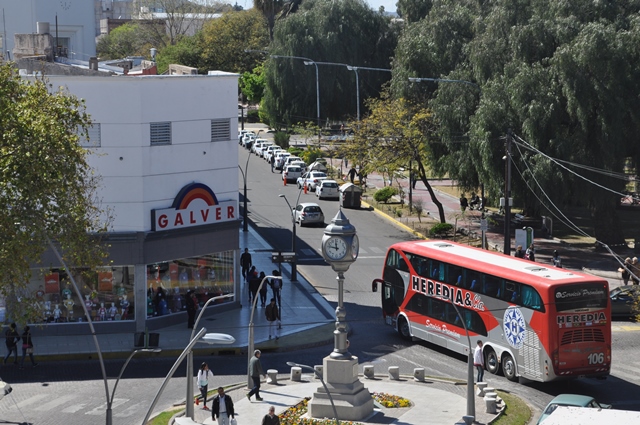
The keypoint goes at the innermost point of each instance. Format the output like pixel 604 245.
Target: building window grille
pixel 220 130
pixel 160 133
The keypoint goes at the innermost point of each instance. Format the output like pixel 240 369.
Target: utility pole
pixel 507 196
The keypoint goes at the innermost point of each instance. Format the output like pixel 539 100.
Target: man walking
pixel 11 340
pixel 478 361
pixel 276 287
pixel 245 262
pixel 272 161
pixel 273 315
pixel 255 370
pixel 222 407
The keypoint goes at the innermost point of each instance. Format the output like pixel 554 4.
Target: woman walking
pixel 203 383
pixel 27 347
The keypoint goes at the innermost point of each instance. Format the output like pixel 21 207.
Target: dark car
pixel 623 300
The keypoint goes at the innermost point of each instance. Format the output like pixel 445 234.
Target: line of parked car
pixel 293 169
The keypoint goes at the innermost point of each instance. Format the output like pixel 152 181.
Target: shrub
pixel 399 212
pixel 253 115
pixel 311 155
pixel 281 139
pixel 384 194
pixel 296 151
pixel 441 229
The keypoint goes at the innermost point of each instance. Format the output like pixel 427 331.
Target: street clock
pixel 340 244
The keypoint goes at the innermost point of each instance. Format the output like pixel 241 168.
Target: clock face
pixel 336 248
pixel 355 246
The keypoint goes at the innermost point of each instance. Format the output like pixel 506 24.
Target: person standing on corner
pixel 531 253
pixel 245 262
pixel 273 315
pixel 478 361
pixel 271 418
pixel 192 306
pixel 519 252
pixel 556 259
pixel 255 370
pixel 203 383
pixel 27 347
pixel 272 161
pixel 222 407
pixel 11 341
pixel 625 271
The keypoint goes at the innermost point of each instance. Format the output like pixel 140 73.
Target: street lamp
pixel 113 393
pixel 189 410
pixel 294 265
pixel 355 69
pixel 244 202
pixel 250 344
pixel 319 376
pixel 310 62
pixel 471 406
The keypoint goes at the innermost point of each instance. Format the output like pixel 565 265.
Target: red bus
pixel 537 322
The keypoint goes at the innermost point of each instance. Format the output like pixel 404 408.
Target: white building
pixel 164 147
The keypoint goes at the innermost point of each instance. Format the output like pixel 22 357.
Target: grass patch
pixel 163 417
pixel 516 412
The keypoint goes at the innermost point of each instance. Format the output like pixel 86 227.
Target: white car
pixel 311 179
pixel 258 144
pixel 241 134
pixel 290 159
pixel 309 213
pixel 327 189
pixel 300 164
pixel 269 151
pixel 280 158
pixel 260 150
pixel 290 173
pixel 248 139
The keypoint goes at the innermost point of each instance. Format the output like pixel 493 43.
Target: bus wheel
pixel 403 328
pixel 509 368
pixel 492 363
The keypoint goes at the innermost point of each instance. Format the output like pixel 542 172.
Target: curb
pixel 393 221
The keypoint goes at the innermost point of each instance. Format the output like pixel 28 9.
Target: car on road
pixel 574 400
pixel 311 180
pixel 290 159
pixel 308 213
pixel 248 139
pixel 262 148
pixel 290 173
pixel 258 144
pixel 300 164
pixel 327 189
pixel 319 165
pixel 270 150
pixel 281 157
pixel 624 300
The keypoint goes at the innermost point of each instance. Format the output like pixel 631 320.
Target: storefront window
pixel 168 283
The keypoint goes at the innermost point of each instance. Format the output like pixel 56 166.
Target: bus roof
pixel 486 261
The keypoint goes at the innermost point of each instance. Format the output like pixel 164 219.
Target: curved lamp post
pixel 294 265
pixel 253 310
pixel 244 206
pixel 189 407
pixel 319 376
pixel 471 405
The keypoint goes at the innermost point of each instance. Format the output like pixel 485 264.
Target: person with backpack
pixel 276 287
pixel 273 315
pixel 11 340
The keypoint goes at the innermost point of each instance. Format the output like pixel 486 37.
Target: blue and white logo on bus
pixel 514 327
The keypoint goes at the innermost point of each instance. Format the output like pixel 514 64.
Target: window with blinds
pixel 160 133
pixel 220 130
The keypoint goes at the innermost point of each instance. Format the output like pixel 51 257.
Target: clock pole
pixel 340 349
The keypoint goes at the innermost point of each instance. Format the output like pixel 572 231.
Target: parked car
pixel 571 400
pixel 311 180
pixel 308 213
pixel 290 173
pixel 258 143
pixel 290 159
pixel 241 134
pixel 319 165
pixel 280 158
pixel 300 164
pixel 270 150
pixel 327 189
pixel 263 148
pixel 623 300
pixel 248 139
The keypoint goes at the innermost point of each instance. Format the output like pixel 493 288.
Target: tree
pixel 252 84
pixel 269 9
pixel 47 188
pixel 187 52
pixel 122 42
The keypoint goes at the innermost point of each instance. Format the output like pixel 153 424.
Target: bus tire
pixel 491 362
pixel 509 368
pixel 403 328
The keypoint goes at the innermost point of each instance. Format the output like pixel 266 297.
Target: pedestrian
pixel 222 407
pixel 464 203
pixel 263 290
pixel 272 161
pixel 352 173
pixel 276 287
pixel 254 285
pixel 530 254
pixel 478 361
pixel 519 252
pixel 273 315
pixel 255 370
pixel 245 262
pixel 192 307
pixel 271 418
pixel 203 383
pixel 556 259
pixel 413 180
pixel 11 340
pixel 625 270
pixel 635 271
pixel 27 347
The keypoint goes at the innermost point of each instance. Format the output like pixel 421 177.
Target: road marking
pixel 627 368
pixel 31 401
pixel 362 251
pixel 55 402
pixel 626 328
pixel 130 410
pixel 376 257
pixel 376 250
pixel 74 408
pixel 101 409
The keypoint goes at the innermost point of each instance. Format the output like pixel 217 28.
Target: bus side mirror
pixel 374 286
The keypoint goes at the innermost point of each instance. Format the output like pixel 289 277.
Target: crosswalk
pixel 372 252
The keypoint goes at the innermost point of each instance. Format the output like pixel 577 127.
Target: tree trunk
pixel 434 199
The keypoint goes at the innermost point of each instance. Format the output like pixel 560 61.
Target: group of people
pixel 222 408
pixel 253 281
pixel 529 254
pixel 630 270
pixel 12 338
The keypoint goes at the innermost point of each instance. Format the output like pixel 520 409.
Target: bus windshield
pixel 581 296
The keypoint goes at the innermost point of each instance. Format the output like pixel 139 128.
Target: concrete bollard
pixel 418 374
pixel 481 386
pixel 468 420
pixel 490 403
pixel 319 371
pixel 489 390
pixel 394 373
pixel 296 374
pixel 272 376
pixel 368 371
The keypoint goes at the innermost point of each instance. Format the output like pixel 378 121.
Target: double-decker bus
pixel 537 322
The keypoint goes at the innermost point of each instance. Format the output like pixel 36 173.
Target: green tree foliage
pixel 252 84
pixel 225 40
pixel 345 32
pixel 269 9
pixel 384 194
pixel 187 52
pixel 413 10
pixel 47 187
pixel 563 76
pixel 122 42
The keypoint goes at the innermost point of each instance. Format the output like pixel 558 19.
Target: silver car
pixel 309 213
pixel 327 189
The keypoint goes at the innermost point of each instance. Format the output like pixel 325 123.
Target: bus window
pixel 419 304
pixel 395 260
pixel 511 292
pixel 531 298
pixel 454 275
pixel 473 279
pixel 438 309
pixel 437 270
pixel 492 286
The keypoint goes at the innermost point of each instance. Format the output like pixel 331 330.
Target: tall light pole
pixel 294 266
pixel 319 376
pixel 355 69
pixel 310 62
pixel 189 409
pixel 244 202
pixel 471 405
pixel 507 196
pixel 250 343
